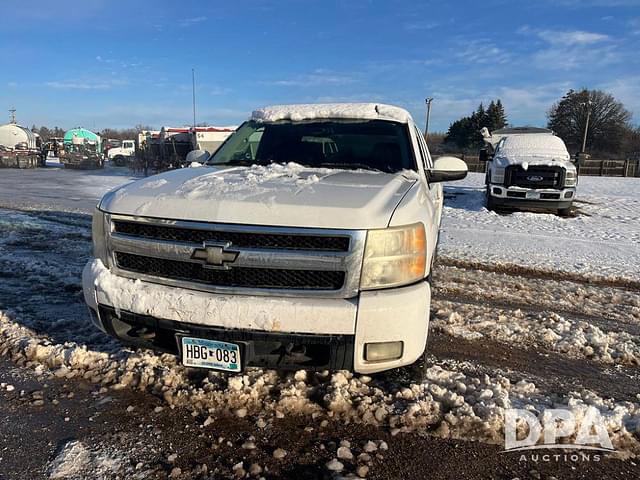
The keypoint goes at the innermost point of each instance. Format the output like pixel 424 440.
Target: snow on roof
pixel 533 145
pixel 358 111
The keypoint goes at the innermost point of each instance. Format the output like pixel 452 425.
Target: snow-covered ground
pixel 55 188
pixel 602 241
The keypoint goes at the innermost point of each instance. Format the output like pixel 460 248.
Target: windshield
pixel 373 145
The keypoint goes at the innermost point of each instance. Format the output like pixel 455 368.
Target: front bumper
pixel 273 332
pixel 502 196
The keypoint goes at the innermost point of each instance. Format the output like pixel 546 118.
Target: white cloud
pixel 571 37
pixel 85 84
pixel 187 22
pixel 417 26
pixel 319 77
pixel 483 51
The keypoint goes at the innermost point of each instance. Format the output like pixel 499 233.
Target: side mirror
pixel 483 156
pixel 447 169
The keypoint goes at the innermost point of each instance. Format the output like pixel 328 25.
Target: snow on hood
pixel 284 195
pixel 532 149
pixel 323 111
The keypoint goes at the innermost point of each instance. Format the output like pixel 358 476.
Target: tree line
pixel 115 133
pixel 610 133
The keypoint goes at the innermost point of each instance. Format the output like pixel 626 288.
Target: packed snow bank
pixel 448 403
pixel 322 111
pixel 548 330
pixel 603 241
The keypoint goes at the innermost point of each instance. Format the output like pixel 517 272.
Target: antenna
pixel 12 111
pixel 193 85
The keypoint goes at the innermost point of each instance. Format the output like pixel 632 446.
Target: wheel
pixel 489 202
pixel 119 160
pixel 564 212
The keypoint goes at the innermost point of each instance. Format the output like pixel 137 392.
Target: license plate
pixel 533 195
pixel 204 353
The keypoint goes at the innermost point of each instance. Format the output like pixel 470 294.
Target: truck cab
pixel 528 168
pixel 120 155
pixel 305 242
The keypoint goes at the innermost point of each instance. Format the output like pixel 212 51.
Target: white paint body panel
pixel 313 198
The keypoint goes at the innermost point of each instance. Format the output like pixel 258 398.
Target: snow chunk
pixel 76 459
pixel 321 111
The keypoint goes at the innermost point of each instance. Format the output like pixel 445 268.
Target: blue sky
pixel 100 63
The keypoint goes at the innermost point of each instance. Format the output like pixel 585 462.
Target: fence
pixel 602 168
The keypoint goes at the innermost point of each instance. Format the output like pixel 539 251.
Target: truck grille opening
pixel 239 277
pixel 327 243
pixel 542 176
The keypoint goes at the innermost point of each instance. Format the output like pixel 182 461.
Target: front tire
pixel 489 202
pixel 564 212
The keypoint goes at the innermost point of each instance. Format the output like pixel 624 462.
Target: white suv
pixel 305 242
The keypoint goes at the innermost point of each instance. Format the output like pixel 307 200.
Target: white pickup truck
pixel 306 241
pixel 528 167
pixel 122 154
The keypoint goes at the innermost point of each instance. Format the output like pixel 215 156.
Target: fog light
pixel 376 352
pixel 497 191
pixel 568 194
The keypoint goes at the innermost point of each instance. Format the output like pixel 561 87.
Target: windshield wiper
pixel 350 166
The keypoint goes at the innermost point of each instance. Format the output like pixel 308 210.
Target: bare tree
pixel 608 120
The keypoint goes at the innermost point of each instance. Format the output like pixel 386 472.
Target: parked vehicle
pixel 123 154
pixel 81 149
pixel 528 167
pixel 209 138
pixel 18 147
pixel 307 241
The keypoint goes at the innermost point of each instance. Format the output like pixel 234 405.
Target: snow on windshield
pixel 533 145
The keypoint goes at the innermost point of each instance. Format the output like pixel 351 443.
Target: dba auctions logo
pixel 523 431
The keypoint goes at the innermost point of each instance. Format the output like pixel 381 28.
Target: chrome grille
pixel 535 176
pixel 234 277
pixel 331 243
pixel 270 260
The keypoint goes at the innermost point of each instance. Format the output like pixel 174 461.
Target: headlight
pixel 497 175
pixel 394 256
pixel 570 179
pixel 99 236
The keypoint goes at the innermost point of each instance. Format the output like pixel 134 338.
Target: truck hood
pixel 533 160
pixel 278 195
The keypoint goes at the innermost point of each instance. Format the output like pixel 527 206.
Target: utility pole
pixel 193 85
pixel 586 125
pixel 12 112
pixel 428 101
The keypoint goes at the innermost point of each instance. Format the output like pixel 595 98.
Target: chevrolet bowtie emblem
pixel 215 255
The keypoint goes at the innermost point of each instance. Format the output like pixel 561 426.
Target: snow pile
pixel 449 403
pixel 324 111
pixel 247 181
pixel 153 183
pixel 75 460
pixel 548 330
